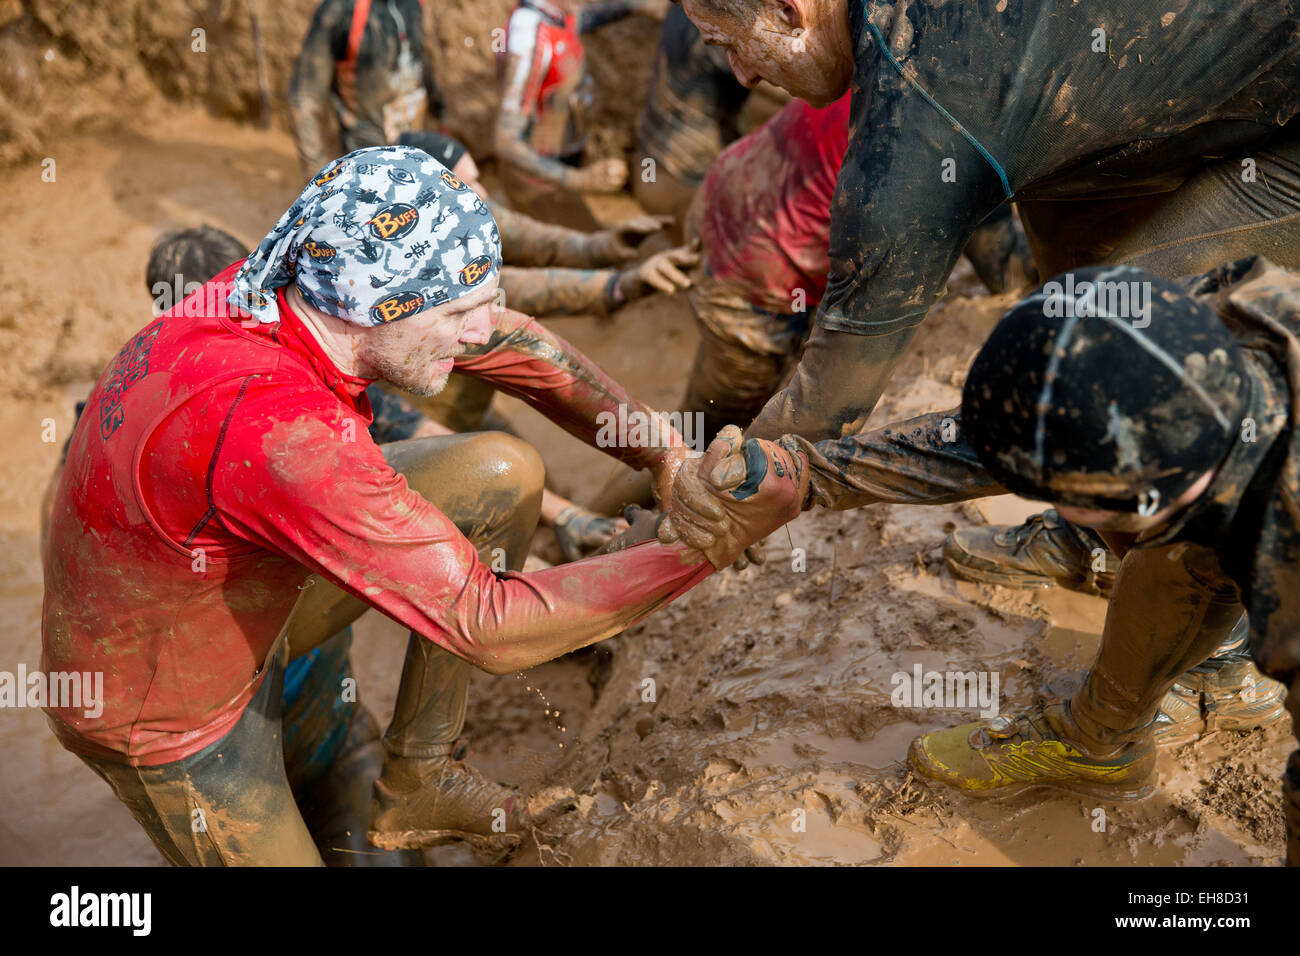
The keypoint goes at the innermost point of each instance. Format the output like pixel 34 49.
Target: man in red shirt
pixel 223 458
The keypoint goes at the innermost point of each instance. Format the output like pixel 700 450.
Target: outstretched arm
pixel 595 291
pixel 338 508
pixel 524 359
pixel 526 241
pixel 921 461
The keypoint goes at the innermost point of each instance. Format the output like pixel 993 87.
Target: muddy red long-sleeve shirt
pixel 215 466
pixel 775 240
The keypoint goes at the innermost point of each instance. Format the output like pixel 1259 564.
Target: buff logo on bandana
pixel 476 271
pixel 377 236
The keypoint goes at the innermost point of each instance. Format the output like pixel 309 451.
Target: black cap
pixel 196 255
pixel 1108 388
pixel 444 149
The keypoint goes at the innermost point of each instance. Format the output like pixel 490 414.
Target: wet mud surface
pixel 693 738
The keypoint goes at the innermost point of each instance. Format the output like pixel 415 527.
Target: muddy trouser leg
pixel 1216 217
pixel 738 370
pixel 729 383
pixel 1171 608
pixel 230 804
pixel 490 485
pixel 332 754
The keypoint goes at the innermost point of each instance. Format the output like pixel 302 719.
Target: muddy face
pixel 417 353
pixel 803 46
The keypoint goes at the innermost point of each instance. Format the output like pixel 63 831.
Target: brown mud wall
pixel 66 64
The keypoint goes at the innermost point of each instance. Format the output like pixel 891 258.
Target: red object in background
pixel 765 214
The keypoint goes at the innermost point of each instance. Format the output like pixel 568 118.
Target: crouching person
pixel 1174 438
pixel 1172 433
pixel 223 506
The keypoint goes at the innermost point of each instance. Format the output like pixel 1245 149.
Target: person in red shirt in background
pixel 694 108
pixel 223 459
pixel 545 97
pixel 763 220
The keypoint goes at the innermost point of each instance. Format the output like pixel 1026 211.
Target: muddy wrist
pixel 801 452
pixel 601 248
pixel 624 286
pixel 573 179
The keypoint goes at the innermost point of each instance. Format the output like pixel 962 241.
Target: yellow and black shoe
pixel 1009 754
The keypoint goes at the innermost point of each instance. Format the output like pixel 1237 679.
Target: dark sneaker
pixel 1009 754
pixel 426 801
pixel 1045 550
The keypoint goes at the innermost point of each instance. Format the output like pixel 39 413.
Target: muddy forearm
pixel 512 621
pixel 544 292
pixel 836 385
pixel 526 360
pixel 924 460
pixel 526 241
pixel 512 147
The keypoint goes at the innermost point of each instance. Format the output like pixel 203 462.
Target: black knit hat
pixel 444 149
pixel 1109 388
pixel 196 255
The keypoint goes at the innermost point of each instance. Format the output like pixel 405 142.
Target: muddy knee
pixel 502 465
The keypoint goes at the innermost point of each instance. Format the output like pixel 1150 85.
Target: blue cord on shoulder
pixel 884 48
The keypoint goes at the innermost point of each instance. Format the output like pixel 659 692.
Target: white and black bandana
pixel 378 235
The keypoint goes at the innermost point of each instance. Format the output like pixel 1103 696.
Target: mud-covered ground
pixel 693 738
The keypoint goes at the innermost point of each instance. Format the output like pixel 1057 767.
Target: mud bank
pixel 67 66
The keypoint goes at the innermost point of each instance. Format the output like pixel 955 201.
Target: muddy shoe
pixel 1224 693
pixel 421 802
pixel 1230 696
pixel 1012 753
pixel 1045 550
